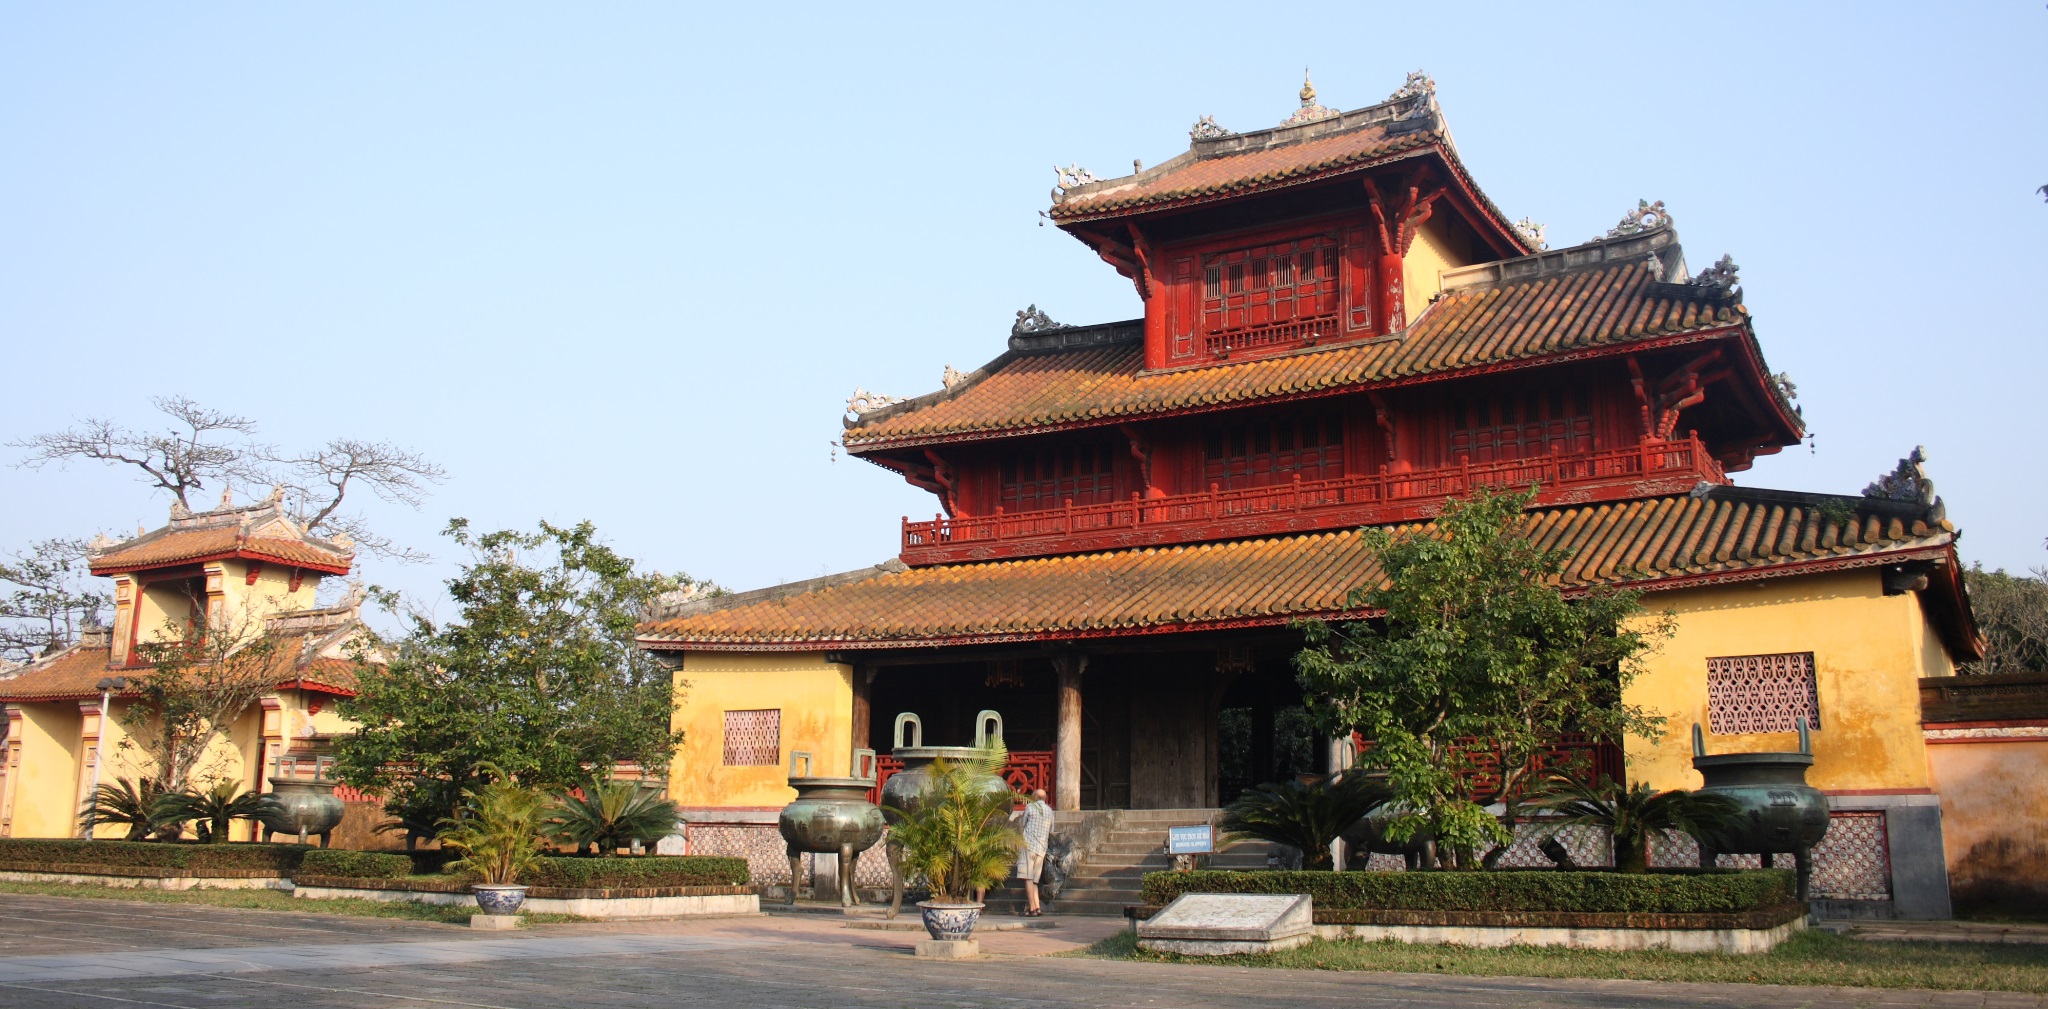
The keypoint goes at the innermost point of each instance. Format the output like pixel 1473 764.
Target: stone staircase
pixel 1108 875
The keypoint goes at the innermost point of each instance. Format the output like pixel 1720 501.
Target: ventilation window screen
pixel 1761 693
pixel 753 738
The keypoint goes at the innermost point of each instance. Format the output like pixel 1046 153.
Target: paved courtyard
pixel 58 951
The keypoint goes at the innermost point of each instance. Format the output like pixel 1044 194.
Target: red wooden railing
pixel 1651 468
pixel 1575 756
pixel 1027 770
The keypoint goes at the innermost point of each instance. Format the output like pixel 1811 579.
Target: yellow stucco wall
pixel 1869 651
pixel 45 794
pixel 1435 250
pixel 1994 821
pixel 816 701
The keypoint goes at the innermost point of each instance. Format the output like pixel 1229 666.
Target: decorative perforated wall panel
pixel 1761 693
pixel 753 738
pixel 1853 862
pixel 762 846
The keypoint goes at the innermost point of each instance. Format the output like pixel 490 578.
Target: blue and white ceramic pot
pixel 499 898
pixel 946 920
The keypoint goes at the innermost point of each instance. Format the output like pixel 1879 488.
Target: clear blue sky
pixel 626 262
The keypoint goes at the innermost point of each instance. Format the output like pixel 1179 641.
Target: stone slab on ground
pixel 1223 924
pixel 494 922
pixel 948 949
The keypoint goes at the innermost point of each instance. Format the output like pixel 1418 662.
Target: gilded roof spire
pixel 1309 112
pixel 1308 88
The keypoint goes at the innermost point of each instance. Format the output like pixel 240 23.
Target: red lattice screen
pixel 1761 693
pixel 753 738
pixel 1027 770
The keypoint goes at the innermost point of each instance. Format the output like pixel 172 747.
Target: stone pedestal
pixel 494 922
pixel 948 949
pixel 1222 924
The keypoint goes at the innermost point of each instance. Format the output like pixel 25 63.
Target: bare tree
pixel 48 601
pixel 2012 611
pixel 206 446
pixel 181 459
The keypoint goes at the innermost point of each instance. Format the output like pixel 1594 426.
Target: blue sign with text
pixel 1199 839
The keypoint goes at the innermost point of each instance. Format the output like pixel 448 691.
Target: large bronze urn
pixel 1780 812
pixel 831 816
pixel 905 789
pixel 310 805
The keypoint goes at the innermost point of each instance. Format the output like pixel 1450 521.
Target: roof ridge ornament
pixel 1655 266
pixel 863 402
pixel 1309 112
pixel 952 378
pixel 1720 276
pixel 1909 483
pixel 1646 216
pixel 1420 90
pixel 1071 177
pixel 1205 128
pixel 1033 319
pixel 1531 233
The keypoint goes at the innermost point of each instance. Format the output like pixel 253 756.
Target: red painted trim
pixel 2001 723
pixel 1823 565
pixel 227 555
pixel 728 809
pixel 1592 353
pixel 1847 792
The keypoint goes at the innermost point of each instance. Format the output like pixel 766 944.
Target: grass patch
pixel 271 900
pixel 1812 957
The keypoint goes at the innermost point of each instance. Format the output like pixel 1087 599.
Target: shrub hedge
pixel 635 871
pixel 150 854
pixel 1673 892
pixel 356 864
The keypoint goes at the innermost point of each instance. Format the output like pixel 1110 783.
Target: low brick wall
pixel 145 877
pixel 615 902
pixel 1746 932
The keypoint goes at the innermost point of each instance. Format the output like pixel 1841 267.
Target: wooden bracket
pixel 1141 450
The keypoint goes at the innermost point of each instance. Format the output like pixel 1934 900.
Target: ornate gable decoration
pixel 1205 128
pixel 863 402
pixel 1309 112
pixel 1907 482
pixel 1420 91
pixel 1532 233
pixel 1720 276
pixel 1646 216
pixel 1034 320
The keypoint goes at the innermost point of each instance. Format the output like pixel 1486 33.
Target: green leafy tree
pixel 1477 658
pixel 202 677
pixel 538 674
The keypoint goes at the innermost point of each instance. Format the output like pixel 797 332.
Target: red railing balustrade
pixel 1027 771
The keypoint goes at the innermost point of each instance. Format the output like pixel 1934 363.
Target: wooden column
pixel 863 696
pixel 1067 751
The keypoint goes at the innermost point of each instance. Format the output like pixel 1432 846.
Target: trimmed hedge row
pixel 1670 892
pixel 640 870
pixel 150 854
pixel 356 864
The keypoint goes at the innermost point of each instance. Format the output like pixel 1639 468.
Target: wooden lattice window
pixel 1049 477
pixel 1267 452
pixel 753 738
pixel 1762 693
pixel 1519 425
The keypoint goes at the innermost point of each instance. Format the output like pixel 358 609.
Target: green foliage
pixel 142 854
pixel 498 831
pixel 2012 611
pixel 1708 890
pixel 214 809
pixel 959 837
pixel 645 870
pixel 1632 815
pixel 136 804
pixel 611 815
pixel 1478 657
pixel 538 675
pixel 355 864
pixel 1304 815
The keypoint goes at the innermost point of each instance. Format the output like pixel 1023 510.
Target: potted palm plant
pixel 959 837
pixel 498 833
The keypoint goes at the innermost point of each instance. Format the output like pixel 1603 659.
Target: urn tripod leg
pixel 1802 860
pixel 847 859
pixel 796 872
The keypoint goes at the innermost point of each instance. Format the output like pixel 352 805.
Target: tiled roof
pixel 74 673
pixel 1261 168
pixel 1559 314
pixel 183 546
pixel 260 531
pixel 1728 534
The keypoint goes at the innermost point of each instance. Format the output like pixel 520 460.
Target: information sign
pixel 1198 839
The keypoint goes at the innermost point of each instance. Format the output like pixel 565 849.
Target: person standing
pixel 1036 826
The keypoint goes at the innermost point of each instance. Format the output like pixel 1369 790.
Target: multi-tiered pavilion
pixel 1339 330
